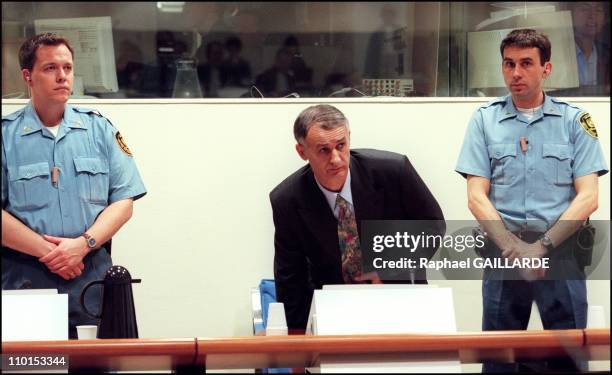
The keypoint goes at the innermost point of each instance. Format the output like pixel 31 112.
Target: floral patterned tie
pixel 349 242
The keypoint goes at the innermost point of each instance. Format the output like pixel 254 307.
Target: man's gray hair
pixel 324 115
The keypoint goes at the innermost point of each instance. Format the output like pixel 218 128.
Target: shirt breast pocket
pixel 502 157
pixel 30 186
pixel 92 179
pixel 557 163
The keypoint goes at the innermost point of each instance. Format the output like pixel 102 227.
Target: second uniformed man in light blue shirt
pixel 68 184
pixel 532 164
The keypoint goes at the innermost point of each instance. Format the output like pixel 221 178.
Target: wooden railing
pixel 303 351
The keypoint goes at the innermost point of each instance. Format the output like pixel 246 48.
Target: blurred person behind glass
pixel 279 79
pixel 301 72
pixel 209 73
pixel 236 71
pixel 381 57
pixel 130 68
pixel 592 49
pixel 593 56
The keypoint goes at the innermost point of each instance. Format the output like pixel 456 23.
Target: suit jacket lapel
pixel 368 201
pixel 318 217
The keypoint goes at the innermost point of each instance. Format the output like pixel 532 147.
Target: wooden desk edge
pixel 393 342
pixel 597 336
pixel 194 352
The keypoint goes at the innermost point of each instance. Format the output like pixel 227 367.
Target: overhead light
pixel 170 6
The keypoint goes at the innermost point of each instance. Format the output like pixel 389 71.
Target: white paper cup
pixel 87 332
pixel 596 317
pixel 277 322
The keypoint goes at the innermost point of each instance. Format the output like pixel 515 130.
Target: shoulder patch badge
pixel 588 125
pixel 122 145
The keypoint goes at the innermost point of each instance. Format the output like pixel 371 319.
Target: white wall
pixel 203 235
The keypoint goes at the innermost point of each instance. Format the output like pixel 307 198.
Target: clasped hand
pixel 517 249
pixel 66 259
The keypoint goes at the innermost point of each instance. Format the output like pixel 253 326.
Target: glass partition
pixel 304 49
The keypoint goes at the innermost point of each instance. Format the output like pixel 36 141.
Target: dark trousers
pixel 562 304
pixel 21 271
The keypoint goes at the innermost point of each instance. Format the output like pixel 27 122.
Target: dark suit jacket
pixel 384 186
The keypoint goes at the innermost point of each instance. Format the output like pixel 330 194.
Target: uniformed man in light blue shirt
pixel 68 183
pixel 532 164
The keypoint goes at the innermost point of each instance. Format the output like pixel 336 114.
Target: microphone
pixel 346 90
pixel 256 89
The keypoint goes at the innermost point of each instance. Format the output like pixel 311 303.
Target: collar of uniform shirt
pixel 548 108
pixel 34 123
pixel 529 112
pixel 345 193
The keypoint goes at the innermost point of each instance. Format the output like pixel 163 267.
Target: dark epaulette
pixel 12 116
pixel 569 104
pixel 88 111
pixel 91 111
pixel 501 99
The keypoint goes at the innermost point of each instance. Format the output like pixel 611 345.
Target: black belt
pixel 528 236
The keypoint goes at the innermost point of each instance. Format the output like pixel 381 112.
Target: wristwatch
pixel 91 242
pixel 546 242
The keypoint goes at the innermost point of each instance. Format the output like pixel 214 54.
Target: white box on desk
pixel 34 314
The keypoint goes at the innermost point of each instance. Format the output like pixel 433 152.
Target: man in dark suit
pixel 314 246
